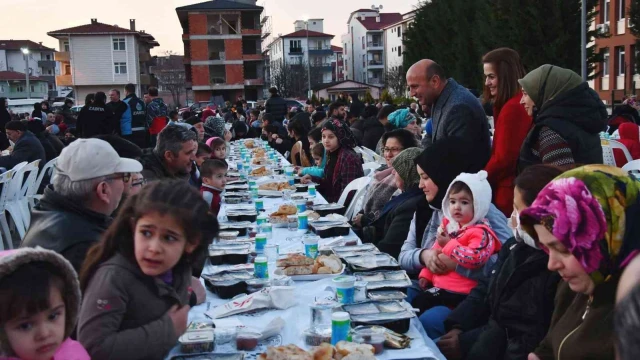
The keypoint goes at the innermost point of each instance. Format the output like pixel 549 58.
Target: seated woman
pixel 343 164
pixel 391 226
pixel 383 185
pixel 478 326
pixel 299 131
pixel 587 221
pixel 438 165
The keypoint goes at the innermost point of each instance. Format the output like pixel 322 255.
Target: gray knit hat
pixel 11 260
pixel 405 167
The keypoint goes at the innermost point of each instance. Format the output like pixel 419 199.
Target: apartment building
pixel 363 45
pixel 394 35
pixel 618 75
pixel 222 49
pixel 13 85
pixel 41 65
pixel 337 64
pixel 305 47
pixel 98 57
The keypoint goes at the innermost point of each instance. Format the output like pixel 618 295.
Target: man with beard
pixel 173 155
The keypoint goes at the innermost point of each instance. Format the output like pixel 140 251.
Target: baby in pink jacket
pixel 39 303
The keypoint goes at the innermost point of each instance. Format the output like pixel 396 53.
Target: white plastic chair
pixel 5 233
pixel 11 201
pixel 358 185
pixel 633 168
pixel 372 154
pixel 607 151
pixel 369 168
pixel 31 173
pixel 32 195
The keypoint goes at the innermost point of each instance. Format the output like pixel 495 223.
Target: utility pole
pixel 583 44
pixel 25 51
pixel 308 61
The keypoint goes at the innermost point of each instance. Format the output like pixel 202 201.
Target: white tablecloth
pixel 297 318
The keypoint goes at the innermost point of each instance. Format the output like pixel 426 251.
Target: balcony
pixel 251 32
pixel 144 56
pixel 374 81
pixel 322 66
pixel 320 50
pixel 250 57
pixel 47 64
pixel 296 51
pixel 253 82
pixel 375 45
pixel 150 80
pixel 376 64
pixel 24 95
pixel 64 80
pixel 63 56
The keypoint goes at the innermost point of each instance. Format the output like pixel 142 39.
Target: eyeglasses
pixel 391 149
pixel 140 182
pixel 126 177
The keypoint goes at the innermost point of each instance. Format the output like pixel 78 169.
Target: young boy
pixel 464 237
pixel 218 149
pixel 214 179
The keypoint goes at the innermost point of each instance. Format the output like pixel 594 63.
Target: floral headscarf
pixel 593 211
pixel 342 131
pixel 401 118
pixel 216 125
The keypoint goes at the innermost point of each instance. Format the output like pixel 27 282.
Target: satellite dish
pixel 373 7
pixel 381 7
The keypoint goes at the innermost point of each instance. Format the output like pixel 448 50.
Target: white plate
pixel 270 193
pixel 311 277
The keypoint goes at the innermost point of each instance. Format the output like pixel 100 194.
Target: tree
pixel 385 97
pixel 171 76
pixel 290 79
pixel 634 27
pixel 367 97
pixel 395 80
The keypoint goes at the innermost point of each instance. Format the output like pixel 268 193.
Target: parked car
pixel 291 103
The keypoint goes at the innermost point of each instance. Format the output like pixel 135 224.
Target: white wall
pixel 3 60
pixel 391 43
pixel 358 71
pixel 93 58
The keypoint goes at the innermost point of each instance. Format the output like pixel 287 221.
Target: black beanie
pixel 444 160
pixel 193 120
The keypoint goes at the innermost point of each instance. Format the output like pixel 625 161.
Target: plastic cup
pixel 311 190
pixel 252 183
pixel 239 165
pixel 311 247
pixel 345 288
pixel 254 192
pixel 292 222
pixel 261 268
pixel 259 204
pixel 261 219
pixel 303 222
pixel 267 229
pixel 340 327
pixel 261 242
pixel 288 171
pixel 301 205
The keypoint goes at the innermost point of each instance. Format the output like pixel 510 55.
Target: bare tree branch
pixel 171 76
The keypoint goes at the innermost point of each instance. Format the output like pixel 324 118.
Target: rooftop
pixel 336 48
pixel 370 22
pixel 303 33
pixel 98 28
pixel 16 76
pixel 19 44
pixel 219 5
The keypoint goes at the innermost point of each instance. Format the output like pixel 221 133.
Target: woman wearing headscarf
pixel 568 117
pixel 343 164
pixel 38 113
pixel 587 221
pixel 391 227
pixel 502 69
pixel 214 125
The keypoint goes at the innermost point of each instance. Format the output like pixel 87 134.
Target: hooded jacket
pixel 277 107
pixel 357 106
pixel 124 311
pixel 96 120
pixel 629 137
pixel 566 107
pixel 65 227
pixel 372 132
pixel 10 261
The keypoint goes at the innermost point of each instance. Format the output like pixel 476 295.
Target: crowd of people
pixel 520 243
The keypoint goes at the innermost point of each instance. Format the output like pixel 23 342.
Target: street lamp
pixel 306 23
pixel 25 51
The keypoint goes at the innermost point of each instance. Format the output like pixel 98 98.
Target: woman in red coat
pixel 502 69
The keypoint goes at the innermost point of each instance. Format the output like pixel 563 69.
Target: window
pixel 399 50
pixel 19 88
pixel 1 89
pixel 363 42
pixel 67 69
pixel 48 57
pixel 620 61
pixel 33 88
pixel 605 13
pixel 65 45
pixel 49 72
pixel 345 49
pixel 620 15
pixel 119 44
pixel 295 44
pixel 605 62
pixel 399 31
pixel 120 67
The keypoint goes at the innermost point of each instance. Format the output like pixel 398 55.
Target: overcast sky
pixel 32 19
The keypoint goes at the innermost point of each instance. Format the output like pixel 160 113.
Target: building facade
pixel 337 63
pixel 394 35
pixel 13 85
pixel 41 63
pixel 169 70
pixel 363 45
pixel 617 76
pixel 222 49
pixel 98 57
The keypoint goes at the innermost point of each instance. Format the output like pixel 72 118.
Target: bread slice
pixel 289 352
pixel 294 260
pixel 298 270
pixel 347 348
pixel 332 262
pixel 359 356
pixel 323 352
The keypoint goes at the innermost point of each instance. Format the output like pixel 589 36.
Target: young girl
pixel 39 300
pixel 315 138
pixel 218 148
pixel 137 281
pixel 343 164
pixel 301 150
pixel 463 238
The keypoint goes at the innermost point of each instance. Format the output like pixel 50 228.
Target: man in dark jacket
pixel 65 111
pixel 357 106
pixel 87 187
pixel 96 119
pixel 133 125
pixel 276 105
pixel 117 107
pixel 375 126
pixel 174 154
pixel 455 111
pixel 27 146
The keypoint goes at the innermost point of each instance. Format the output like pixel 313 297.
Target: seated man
pixel 26 146
pixel 74 212
pixel 173 156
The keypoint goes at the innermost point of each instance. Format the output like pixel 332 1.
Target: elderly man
pixel 87 187
pixel 26 146
pixel 118 108
pixel 455 111
pixel 173 156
